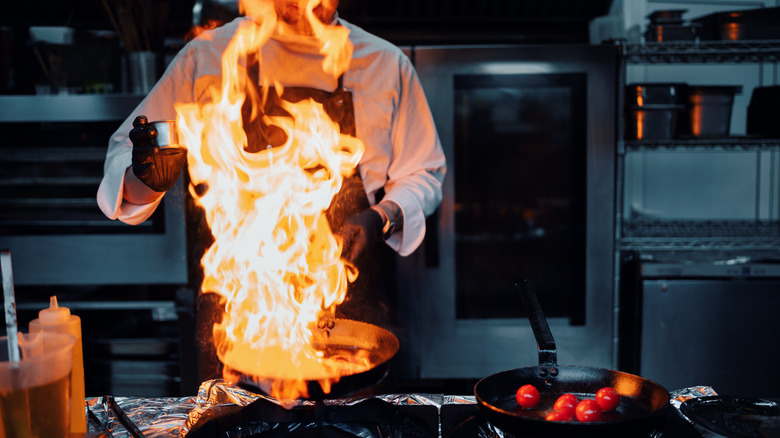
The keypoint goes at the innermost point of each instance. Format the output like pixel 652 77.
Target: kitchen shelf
pixel 67 107
pixel 649 244
pixel 700 235
pixel 703 52
pixel 707 144
pixel 653 235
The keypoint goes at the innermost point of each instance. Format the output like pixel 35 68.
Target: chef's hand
pixel 156 167
pixel 359 232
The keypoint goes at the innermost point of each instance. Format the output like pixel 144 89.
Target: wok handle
pixel 548 355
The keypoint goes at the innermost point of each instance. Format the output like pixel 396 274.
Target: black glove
pixel 156 167
pixel 359 232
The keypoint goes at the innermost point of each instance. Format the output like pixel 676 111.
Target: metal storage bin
pixel 708 112
pixel 652 110
pixel 762 112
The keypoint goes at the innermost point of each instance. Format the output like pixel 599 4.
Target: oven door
pixel 529 135
pixel 51 163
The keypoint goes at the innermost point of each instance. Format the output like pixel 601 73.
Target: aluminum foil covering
pixel 155 417
pixel 677 398
pixel 174 417
pixel 218 393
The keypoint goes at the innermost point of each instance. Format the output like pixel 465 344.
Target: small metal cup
pixel 167 133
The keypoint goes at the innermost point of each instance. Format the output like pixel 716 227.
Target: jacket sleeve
pixel 418 165
pixel 176 85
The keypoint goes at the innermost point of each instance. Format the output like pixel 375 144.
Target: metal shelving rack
pixel 723 144
pixel 67 107
pixel 702 52
pixel 663 235
pixel 697 268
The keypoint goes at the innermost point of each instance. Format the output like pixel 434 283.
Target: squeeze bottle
pixel 57 319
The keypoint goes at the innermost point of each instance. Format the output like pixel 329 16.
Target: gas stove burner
pixel 370 418
pixel 465 421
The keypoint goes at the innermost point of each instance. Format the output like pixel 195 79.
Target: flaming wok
pixel 364 349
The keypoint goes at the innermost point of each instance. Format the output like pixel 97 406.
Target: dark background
pixel 400 21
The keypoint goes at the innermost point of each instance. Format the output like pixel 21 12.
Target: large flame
pixel 275 258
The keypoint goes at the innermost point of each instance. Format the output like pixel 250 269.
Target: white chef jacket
pixel 403 153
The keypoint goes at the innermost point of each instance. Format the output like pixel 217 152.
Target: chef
pixel 378 99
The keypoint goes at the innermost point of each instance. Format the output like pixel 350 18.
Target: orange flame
pixel 275 258
pixel 197 30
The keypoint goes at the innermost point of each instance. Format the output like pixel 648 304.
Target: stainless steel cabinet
pixel 51 155
pixel 714 332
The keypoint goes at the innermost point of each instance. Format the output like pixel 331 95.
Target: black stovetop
pixel 376 418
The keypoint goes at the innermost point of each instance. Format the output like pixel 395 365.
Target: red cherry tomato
pixel 527 396
pixel 588 410
pixel 607 398
pixel 566 404
pixel 558 416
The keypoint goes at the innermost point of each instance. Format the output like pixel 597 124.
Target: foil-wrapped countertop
pixel 174 417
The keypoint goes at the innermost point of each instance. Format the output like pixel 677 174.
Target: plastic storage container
pixel 35 396
pixel 655 93
pixel 668 25
pixel 739 25
pixel 652 110
pixel 662 33
pixel 762 118
pixel 667 16
pixel 708 110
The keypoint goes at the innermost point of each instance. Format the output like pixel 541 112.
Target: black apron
pixel 371 297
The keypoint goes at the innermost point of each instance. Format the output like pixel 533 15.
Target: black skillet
pixel 734 416
pixel 341 337
pixel 641 400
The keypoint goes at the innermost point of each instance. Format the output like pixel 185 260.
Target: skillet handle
pixel 548 355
